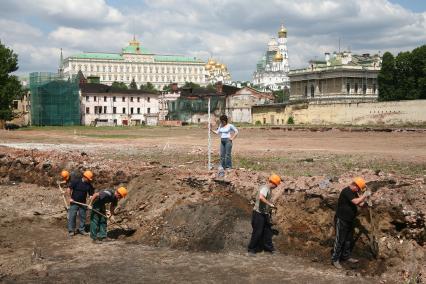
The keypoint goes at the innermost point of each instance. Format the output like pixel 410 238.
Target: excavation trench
pixel 192 211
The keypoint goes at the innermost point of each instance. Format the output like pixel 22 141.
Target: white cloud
pixel 235 32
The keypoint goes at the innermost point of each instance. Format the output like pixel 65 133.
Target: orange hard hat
pixel 360 182
pixel 88 175
pixel 65 175
pixel 122 191
pixel 275 179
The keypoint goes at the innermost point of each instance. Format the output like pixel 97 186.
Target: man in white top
pixel 261 237
pixel 227 133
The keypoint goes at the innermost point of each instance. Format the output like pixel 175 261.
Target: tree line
pixel 403 77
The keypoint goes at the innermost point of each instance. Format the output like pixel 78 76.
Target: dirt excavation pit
pixel 190 210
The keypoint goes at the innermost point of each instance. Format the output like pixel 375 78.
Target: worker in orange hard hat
pixel 350 197
pixel 65 175
pixel 261 237
pixel 79 189
pixel 98 223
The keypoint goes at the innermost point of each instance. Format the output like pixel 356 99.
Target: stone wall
pixel 377 113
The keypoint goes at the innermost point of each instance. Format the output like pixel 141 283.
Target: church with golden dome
pixel 272 69
pixel 217 72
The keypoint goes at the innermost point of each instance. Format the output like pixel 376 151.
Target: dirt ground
pixel 180 223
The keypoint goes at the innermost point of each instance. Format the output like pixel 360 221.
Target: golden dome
pixel 223 67
pixel 282 32
pixel 212 62
pixel 278 57
pixel 218 65
pixel 208 66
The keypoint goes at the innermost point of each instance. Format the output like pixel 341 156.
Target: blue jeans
pixel 225 153
pixel 72 216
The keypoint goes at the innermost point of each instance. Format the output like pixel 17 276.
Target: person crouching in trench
pixel 98 222
pixel 261 237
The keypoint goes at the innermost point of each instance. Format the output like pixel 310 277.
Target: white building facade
pixel 116 108
pixel 272 70
pixel 136 63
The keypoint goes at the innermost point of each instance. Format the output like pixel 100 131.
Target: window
pixel 114 110
pixel 123 99
pixel 148 99
pixel 105 99
pixel 364 89
pixel 264 119
pixel 15 104
pixel 114 99
pixel 312 91
pixel 105 109
pixel 356 88
pixel 148 111
pixel 348 88
pixel 131 99
pixel 124 110
pixel 139 110
pixel 94 98
pixel 131 110
pixel 374 88
pixel 198 120
pixel 87 110
pixel 138 99
pixel 99 109
pixel 306 91
pixel 87 98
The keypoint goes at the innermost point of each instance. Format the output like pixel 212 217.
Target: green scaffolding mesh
pixel 185 107
pixel 53 100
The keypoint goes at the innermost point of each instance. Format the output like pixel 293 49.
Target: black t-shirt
pixel 346 210
pixel 108 196
pixel 80 189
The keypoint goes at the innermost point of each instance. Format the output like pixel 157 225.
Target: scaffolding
pixel 54 101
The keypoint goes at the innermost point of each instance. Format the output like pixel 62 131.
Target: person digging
pixel 78 191
pixel 98 222
pixel 261 237
pixel 350 197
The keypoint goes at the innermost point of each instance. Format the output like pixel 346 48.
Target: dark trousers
pixel 343 243
pixel 225 153
pixel 98 223
pixel 72 216
pixel 261 237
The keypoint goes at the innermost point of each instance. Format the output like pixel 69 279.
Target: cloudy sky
pixel 235 32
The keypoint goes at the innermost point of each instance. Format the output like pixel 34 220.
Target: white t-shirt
pixel 225 131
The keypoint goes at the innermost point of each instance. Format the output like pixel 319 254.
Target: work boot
pixel 97 242
pixel 106 240
pixel 71 234
pixel 352 260
pixel 84 233
pixel 251 253
pixel 337 264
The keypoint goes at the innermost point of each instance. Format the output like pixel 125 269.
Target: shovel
pixel 63 196
pixel 374 246
pixel 96 211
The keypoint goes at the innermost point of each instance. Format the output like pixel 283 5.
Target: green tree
pixel 386 78
pixel 149 87
pixel 167 88
pixel 191 85
pixel 119 85
pixel 211 87
pixel 10 87
pixel 418 63
pixel 133 85
pixel 282 96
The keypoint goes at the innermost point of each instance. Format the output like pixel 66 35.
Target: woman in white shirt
pixel 227 133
